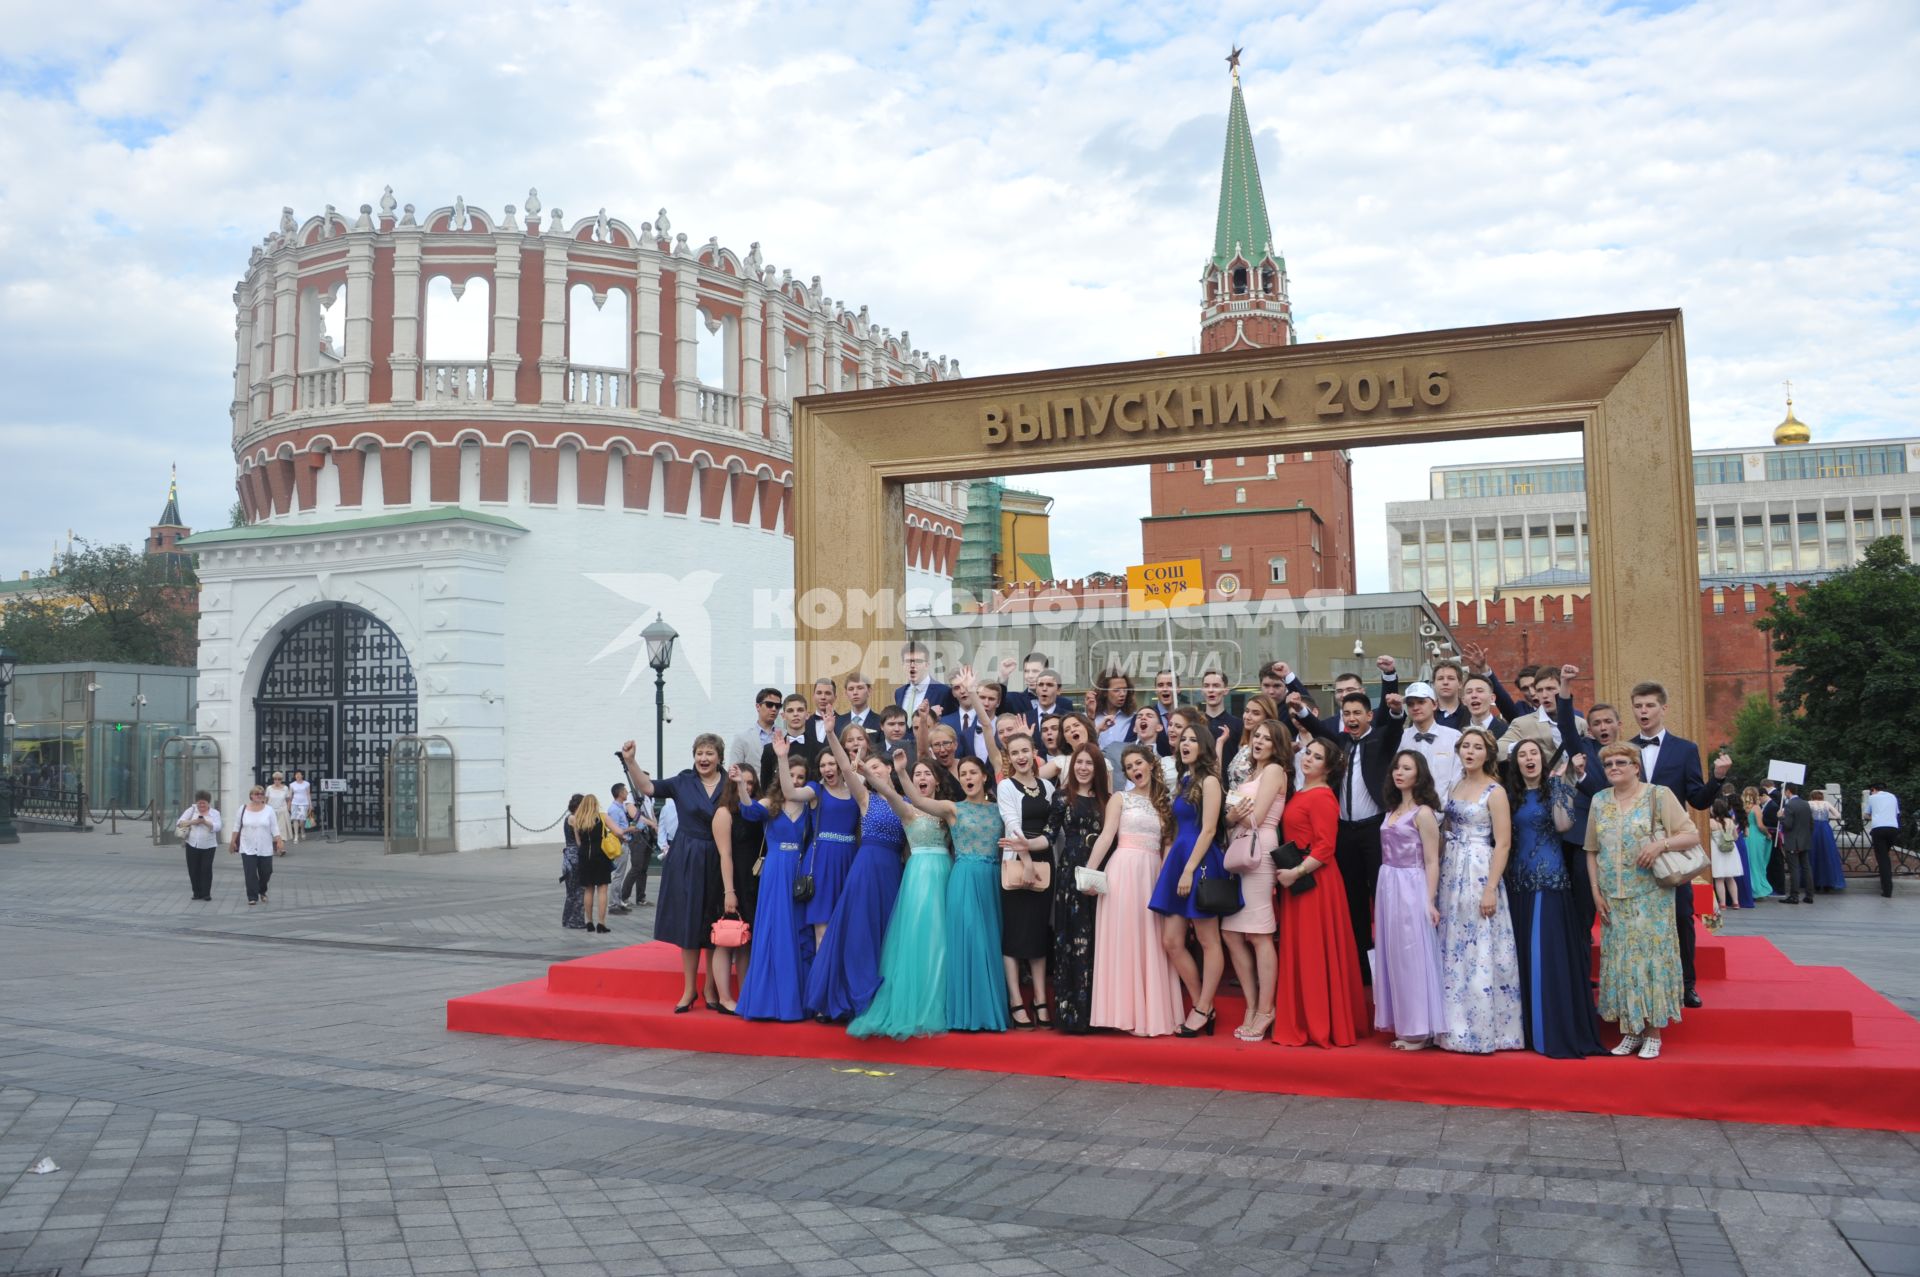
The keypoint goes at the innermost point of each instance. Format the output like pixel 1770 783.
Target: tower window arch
pixel 1239 281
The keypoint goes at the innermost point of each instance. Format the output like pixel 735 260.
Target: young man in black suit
pixel 1674 761
pixel 1369 742
pixel 800 743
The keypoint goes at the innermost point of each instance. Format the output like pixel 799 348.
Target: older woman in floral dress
pixel 1630 825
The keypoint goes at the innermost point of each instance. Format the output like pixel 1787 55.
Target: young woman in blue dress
pixel 846 969
pixel 782 941
pixel 836 821
pixel 1196 811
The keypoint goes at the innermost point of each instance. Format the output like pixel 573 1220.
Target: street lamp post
pixel 8 663
pixel 659 639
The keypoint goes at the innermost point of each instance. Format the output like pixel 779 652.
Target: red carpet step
pixel 1776 1043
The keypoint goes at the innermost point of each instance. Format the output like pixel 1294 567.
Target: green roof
pixel 1041 565
pixel 372 523
pixel 1241 229
pixel 30 583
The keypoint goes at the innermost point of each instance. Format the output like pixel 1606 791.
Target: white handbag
pixel 1674 868
pixel 1094 880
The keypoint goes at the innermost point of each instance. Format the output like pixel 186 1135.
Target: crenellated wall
pixel 328 429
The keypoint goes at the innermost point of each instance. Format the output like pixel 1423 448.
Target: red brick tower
pixel 1256 523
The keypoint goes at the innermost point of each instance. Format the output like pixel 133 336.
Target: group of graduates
pixel 982 856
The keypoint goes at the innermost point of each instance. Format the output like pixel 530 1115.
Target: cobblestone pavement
pixel 272 1091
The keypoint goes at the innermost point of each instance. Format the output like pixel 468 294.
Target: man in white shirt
pixel 1883 826
pixel 825 694
pixel 199 827
pixel 860 711
pixel 1427 736
pixel 620 815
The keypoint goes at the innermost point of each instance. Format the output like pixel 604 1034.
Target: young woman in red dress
pixel 1318 997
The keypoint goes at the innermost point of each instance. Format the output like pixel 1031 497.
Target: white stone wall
pixel 526 645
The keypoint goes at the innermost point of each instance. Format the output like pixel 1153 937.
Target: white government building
pixel 1794 512
pixel 477 454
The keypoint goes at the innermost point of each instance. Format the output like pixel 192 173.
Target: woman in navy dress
pixel 692 889
pixel 782 948
pixel 1556 1002
pixel 846 970
pixel 1195 854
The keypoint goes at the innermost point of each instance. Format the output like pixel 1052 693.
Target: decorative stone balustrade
pixel 456 382
pixel 321 390
pixel 718 408
pixel 599 387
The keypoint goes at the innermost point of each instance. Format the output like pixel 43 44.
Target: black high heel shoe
pixel 1184 1032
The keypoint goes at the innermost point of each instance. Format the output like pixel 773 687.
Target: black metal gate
pixel 337 692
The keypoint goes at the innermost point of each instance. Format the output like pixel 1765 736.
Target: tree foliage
pixel 1855 675
pixel 106 603
pixel 1760 734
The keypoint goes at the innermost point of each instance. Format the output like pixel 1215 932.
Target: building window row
pixel 1507 481
pixel 1808 541
pixel 1837 463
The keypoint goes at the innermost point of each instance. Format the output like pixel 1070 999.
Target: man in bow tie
pixel 800 744
pixel 1432 740
pixel 1674 762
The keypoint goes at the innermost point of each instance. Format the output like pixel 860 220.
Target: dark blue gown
pixel 1743 888
pixel 776 977
pixel 831 856
pixel 1556 1000
pixel 1166 897
pixel 846 971
pixel 692 893
pixel 1829 871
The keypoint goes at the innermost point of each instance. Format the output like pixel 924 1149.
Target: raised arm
pixel 880 781
pixel 855 781
pixel 804 795
pixel 636 774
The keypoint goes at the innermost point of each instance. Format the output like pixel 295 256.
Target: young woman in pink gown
pixel 1134 984
pixel 1253 815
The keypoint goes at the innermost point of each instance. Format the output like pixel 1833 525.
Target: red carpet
pixel 1776 1043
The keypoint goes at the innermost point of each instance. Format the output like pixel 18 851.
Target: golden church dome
pixel 1792 430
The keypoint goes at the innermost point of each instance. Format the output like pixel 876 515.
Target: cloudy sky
pixel 1019 185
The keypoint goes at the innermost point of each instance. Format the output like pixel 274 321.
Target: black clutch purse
pixel 1291 856
pixel 802 888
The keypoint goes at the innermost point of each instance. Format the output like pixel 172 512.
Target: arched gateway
pixel 335 694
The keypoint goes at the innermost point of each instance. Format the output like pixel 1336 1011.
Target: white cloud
pixel 1019 186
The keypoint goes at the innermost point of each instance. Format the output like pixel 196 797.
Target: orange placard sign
pixel 1152 586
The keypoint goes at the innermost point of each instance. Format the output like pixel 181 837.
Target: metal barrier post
pixel 509 826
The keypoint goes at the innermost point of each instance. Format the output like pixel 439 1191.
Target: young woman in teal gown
pixel 976 985
pixel 912 1001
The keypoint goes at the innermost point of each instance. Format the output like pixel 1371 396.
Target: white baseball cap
pixel 1419 691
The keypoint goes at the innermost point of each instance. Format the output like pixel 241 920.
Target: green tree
pixel 1761 733
pixel 1854 675
pixel 237 516
pixel 106 603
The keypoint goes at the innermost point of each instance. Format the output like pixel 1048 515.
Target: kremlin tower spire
pixel 1244 303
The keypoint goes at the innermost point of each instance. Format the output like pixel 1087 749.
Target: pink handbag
pixel 1242 855
pixel 730 932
